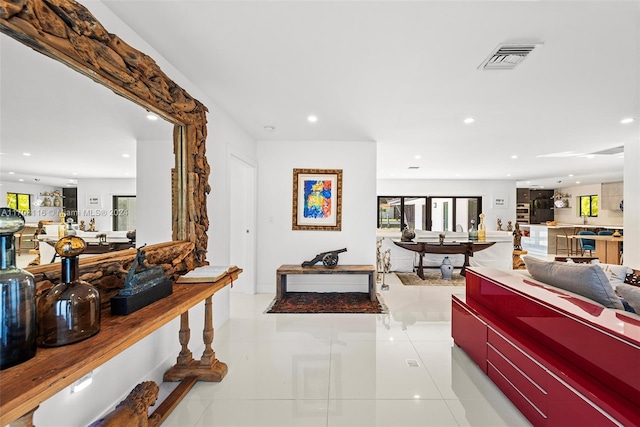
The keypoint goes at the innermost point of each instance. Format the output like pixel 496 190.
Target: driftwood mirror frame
pixel 67 32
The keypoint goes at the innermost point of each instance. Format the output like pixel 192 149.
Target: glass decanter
pixel 17 298
pixel 70 311
pixel 473 232
pixel 482 231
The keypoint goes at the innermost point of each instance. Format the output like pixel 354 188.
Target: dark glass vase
pixel 70 311
pixel 17 298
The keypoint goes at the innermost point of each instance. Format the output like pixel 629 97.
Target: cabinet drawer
pixel 469 332
pixel 569 407
pixel 524 384
pixel 530 411
pixel 511 351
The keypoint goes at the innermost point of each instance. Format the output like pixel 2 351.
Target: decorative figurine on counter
pixel 441 237
pixel 82 226
pixel 407 235
pixel 509 226
pixel 92 224
pixel 499 224
pixel 517 236
pixel 143 285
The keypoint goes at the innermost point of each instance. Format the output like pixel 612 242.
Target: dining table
pixel 608 248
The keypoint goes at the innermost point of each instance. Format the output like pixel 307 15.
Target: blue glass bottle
pixel 17 297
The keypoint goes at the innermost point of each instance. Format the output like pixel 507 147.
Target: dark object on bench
pixel 143 285
pixel 329 258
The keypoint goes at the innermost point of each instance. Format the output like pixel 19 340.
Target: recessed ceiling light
pixel 508 174
pixel 515 156
pixel 312 119
pixel 125 155
pixel 469 120
pixel 577 182
pixel 74 173
pixel 21 180
pixel 26 154
pixel 11 173
pixel 417 157
pixel 152 117
pixel 528 182
pixel 627 120
pixel 570 174
pixel 269 128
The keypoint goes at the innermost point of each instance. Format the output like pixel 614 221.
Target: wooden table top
pixel 30 383
pixel 321 269
pixel 459 247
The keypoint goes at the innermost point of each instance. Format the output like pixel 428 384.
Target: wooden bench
pixel 284 270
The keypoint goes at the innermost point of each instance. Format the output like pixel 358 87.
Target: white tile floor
pixel 395 369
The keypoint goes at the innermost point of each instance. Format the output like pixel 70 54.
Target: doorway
pixel 242 245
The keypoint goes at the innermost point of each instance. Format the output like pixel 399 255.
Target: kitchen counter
pixel 543 239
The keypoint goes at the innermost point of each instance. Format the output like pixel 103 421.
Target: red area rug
pixel 327 302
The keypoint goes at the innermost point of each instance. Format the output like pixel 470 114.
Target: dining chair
pixel 605 233
pixel 587 244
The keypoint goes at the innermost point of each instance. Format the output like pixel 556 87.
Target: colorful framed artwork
pixel 317 199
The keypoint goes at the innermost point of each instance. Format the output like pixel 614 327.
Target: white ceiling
pixel 402 74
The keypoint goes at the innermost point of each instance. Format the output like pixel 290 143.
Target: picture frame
pixel 317 199
pixel 94 200
pixel 500 201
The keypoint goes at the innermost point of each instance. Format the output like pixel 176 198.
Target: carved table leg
pixel 185 357
pixel 208 368
pixel 24 421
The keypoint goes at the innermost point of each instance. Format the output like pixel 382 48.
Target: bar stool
pixel 568 243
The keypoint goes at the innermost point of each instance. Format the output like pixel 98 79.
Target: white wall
pixel 278 244
pixel 632 205
pixel 149 359
pixel 487 189
pixel 104 189
pixel 153 191
pixel 571 215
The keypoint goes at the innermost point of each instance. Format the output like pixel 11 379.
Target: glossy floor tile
pixel 395 369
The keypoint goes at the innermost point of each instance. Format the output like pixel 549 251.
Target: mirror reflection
pixel 71 149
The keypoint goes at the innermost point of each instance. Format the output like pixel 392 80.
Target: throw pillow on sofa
pixel 615 273
pixel 587 280
pixel 631 295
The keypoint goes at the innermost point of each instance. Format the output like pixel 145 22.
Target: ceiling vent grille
pixel 414 167
pixel 610 151
pixel 507 56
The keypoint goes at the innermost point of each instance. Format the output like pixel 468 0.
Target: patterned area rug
pixel 327 302
pixel 431 279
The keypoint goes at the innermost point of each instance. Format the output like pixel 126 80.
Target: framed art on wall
pixel 317 199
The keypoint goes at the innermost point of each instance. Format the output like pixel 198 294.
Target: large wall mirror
pixel 66 32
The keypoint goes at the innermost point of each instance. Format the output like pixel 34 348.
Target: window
pixel 447 213
pixel 588 205
pixel 124 213
pixel 20 202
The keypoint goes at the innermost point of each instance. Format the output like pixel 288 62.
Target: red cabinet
pixel 529 345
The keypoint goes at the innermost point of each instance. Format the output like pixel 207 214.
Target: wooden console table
pixel 27 385
pixel 466 248
pixel 284 270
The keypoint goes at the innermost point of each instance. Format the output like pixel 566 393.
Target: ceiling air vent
pixel 414 167
pixel 507 56
pixel 609 151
